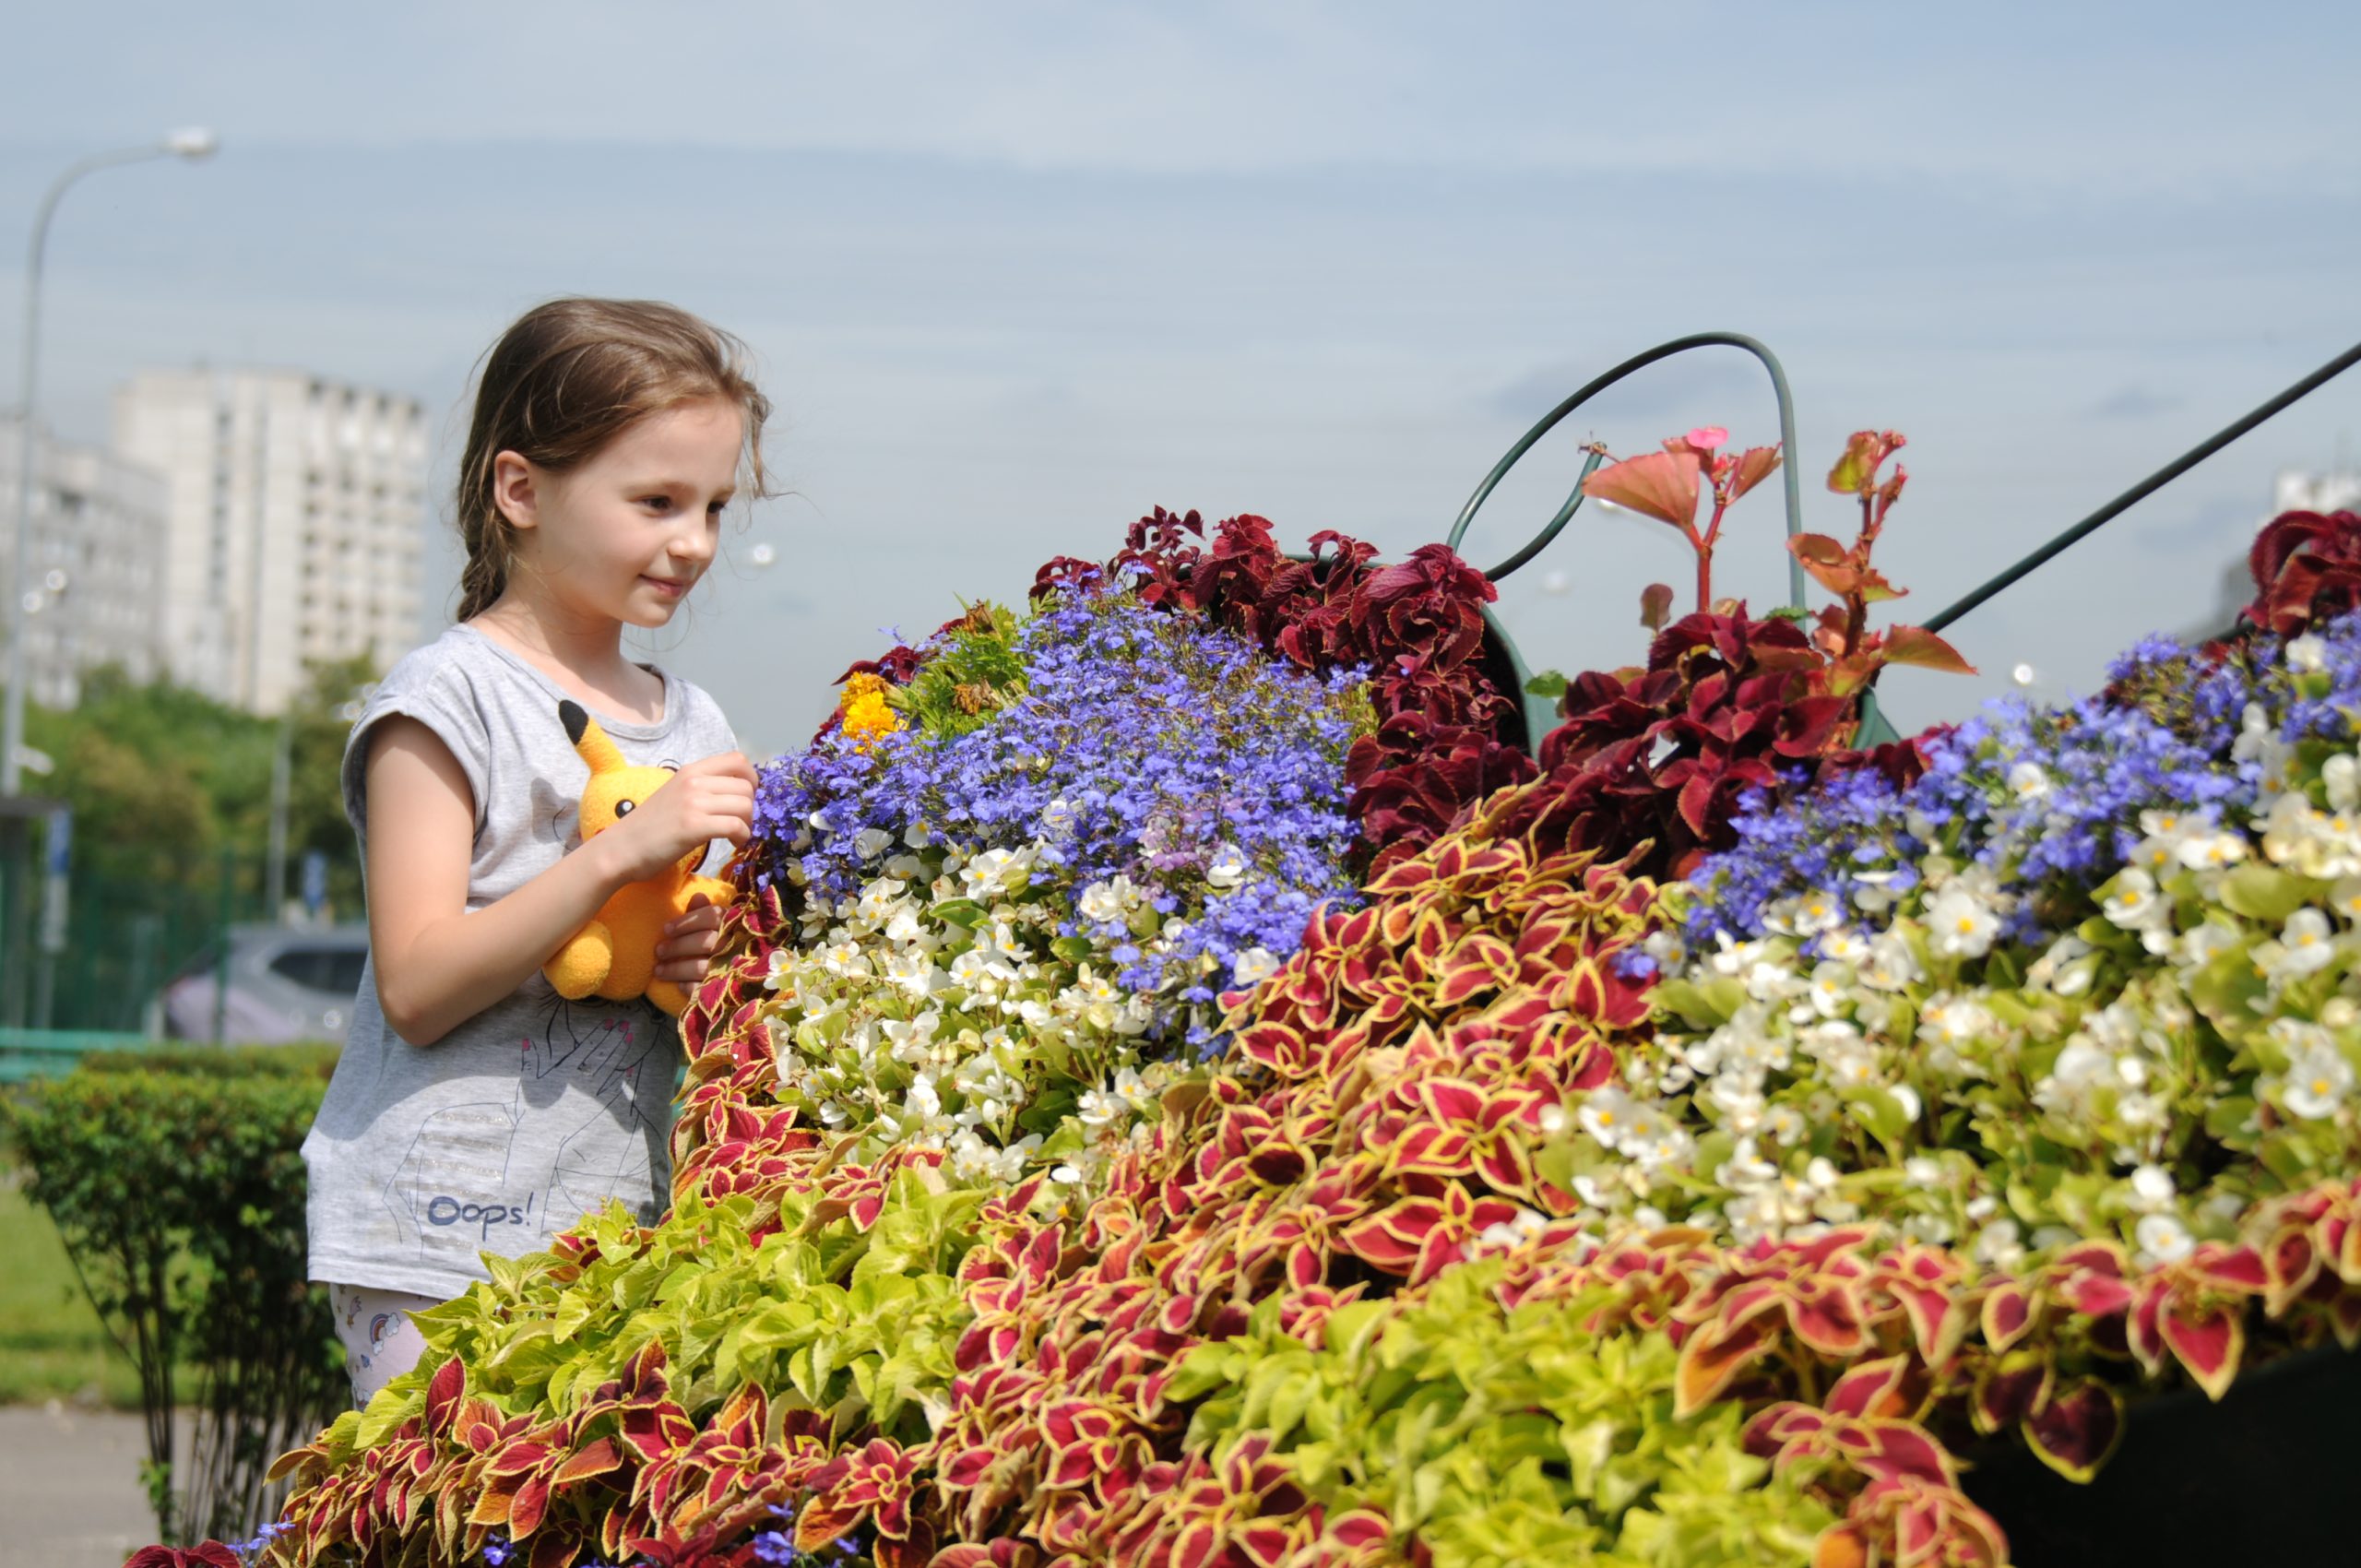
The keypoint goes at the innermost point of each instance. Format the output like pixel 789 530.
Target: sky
pixel 1014 275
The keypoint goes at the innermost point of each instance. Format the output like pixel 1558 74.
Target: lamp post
pixel 16 901
pixel 190 144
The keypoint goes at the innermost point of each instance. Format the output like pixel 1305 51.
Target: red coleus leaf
pixel 2010 1388
pixel 2208 1341
pixel 1655 605
pixel 442 1392
pixel 2077 1431
pixel 2009 1314
pixel 211 1554
pixel 1712 1359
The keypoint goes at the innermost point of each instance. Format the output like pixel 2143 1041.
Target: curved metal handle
pixel 1566 512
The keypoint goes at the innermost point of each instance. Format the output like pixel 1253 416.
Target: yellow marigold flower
pixel 867 716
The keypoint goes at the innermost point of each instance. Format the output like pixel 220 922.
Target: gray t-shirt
pixel 537 1110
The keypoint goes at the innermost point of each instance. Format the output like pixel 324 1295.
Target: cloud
pixel 2131 403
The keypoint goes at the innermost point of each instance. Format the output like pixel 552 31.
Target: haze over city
pixel 1013 281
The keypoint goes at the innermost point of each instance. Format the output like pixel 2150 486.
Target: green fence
pixel 38 1053
pixel 124 942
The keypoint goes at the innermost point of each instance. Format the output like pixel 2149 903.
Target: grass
pixel 52 1344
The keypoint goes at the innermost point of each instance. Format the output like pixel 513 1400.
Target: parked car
pixel 286 983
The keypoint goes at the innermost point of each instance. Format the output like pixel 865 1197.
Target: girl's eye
pixel 661 502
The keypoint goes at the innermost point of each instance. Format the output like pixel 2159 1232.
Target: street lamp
pixel 189 144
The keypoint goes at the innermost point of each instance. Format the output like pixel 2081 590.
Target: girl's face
pixel 627 533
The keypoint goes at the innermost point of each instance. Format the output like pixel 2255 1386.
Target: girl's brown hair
pixel 565 379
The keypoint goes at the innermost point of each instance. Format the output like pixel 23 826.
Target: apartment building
pixel 293 508
pixel 93 571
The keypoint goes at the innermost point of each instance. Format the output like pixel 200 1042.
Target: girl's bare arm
pixel 437 964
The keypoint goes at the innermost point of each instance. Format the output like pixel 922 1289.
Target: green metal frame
pixel 1541 714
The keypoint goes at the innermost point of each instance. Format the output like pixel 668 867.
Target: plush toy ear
pixel 570 713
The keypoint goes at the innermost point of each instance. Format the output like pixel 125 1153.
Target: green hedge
pixel 175 1179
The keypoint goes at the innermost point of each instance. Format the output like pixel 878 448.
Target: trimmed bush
pixel 174 1178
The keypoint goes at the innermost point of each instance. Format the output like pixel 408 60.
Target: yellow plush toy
pixel 614 955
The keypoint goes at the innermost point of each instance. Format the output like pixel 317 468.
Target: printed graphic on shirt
pixel 583 1069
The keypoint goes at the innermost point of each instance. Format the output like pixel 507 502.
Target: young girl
pixel 474 1110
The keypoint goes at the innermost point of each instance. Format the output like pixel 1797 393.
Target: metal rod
pixel 2148 486
pixel 1637 361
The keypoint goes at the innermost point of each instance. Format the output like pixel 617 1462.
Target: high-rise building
pixel 2331 490
pixel 93 569
pixel 2292 490
pixel 293 509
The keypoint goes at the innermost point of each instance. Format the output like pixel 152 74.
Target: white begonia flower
pixel 872 842
pixel 2306 945
pixel 1738 1098
pixel 1851 1069
pixel 1109 902
pixel 1843 947
pixel 914 973
pixel 1921 1172
pixel 1958 924
pixel 2313 842
pixel 2135 904
pixel 2203 944
pixel 881 900
pixel 1873 892
pixel 2340 1012
pixel 2341 776
pixel 1667 948
pixel 998 871
pixel 1997 1245
pixel 2065 969
pixel 1891 964
pixel 2316 1082
pixel 1227 869
pixel 2027 781
pixel 2081 1067
pixel 1607 1116
pixel 1745 1170
pixel 1733 958
pixel 1907 1098
pixel 1782 1124
pixel 2152 1188
pixel 1954 1021
pixel 2161 1239
pixel 2345 899
pixel 1253 966
pixel 2308 652
pixel 2212 852
pixel 1831 988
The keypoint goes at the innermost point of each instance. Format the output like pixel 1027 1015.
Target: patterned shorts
pixel 380 1341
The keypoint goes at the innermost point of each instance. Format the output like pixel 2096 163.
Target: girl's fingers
pixel 688 945
pixel 704 917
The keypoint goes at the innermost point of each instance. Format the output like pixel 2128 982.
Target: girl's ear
pixel 514 482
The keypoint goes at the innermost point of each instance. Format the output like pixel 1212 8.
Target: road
pixel 69 1487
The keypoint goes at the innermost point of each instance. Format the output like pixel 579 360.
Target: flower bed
pixel 1184 1091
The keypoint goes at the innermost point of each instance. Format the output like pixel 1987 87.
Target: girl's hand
pixel 685 953
pixel 711 798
